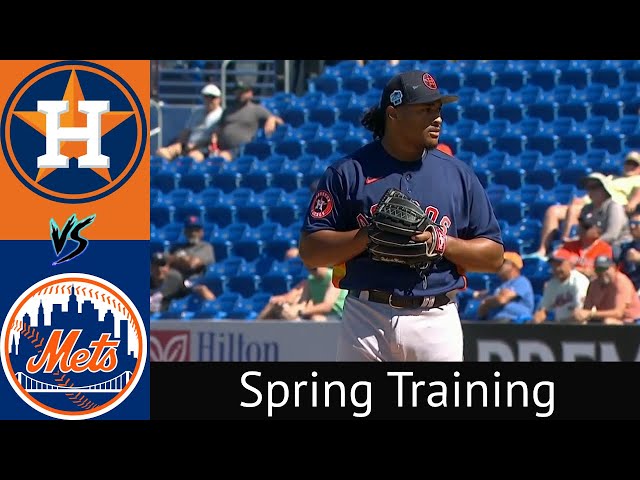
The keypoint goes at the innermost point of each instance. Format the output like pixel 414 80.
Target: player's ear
pixel 392 112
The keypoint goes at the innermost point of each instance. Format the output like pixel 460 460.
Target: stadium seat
pixel 276 283
pixel 161 214
pixel 358 83
pixel 545 143
pixel 628 124
pixel 545 177
pixel 480 112
pixel 327 83
pixel 612 142
pixel 181 212
pixel 547 111
pixel 513 211
pixel 323 147
pixel 352 115
pixel 575 109
pixel 576 142
pixel 545 78
pixel 261 149
pixel 468 95
pixel 496 128
pixel 594 125
pixel 512 111
pixel 164 180
pixel 251 213
pixel 611 76
pixel 563 126
pixel 464 128
pixel 483 80
pixel 612 109
pixel 295 115
pixel 563 94
pixel 578 77
pixel 512 177
pixel 595 92
pixel 511 143
pixel 477 281
pixel 350 143
pixel 527 126
pixel 514 80
pixel 221 214
pixel 478 144
pixel 312 100
pixel 326 115
pixel 290 147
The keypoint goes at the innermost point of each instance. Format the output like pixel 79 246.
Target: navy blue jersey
pixel 447 189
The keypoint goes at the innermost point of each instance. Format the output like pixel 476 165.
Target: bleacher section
pixel 530 129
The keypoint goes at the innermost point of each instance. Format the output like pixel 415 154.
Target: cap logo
pixel 396 98
pixel 429 81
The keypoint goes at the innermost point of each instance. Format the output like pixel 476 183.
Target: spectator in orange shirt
pixel 611 298
pixel 589 245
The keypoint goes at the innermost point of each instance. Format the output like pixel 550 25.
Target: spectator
pixel 166 283
pixel 193 257
pixel 315 298
pixel 624 190
pixel 513 298
pixel 240 123
pixel 589 245
pixel 194 140
pixel 611 298
pixel 629 259
pixel 564 292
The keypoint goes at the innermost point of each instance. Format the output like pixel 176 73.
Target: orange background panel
pixel 121 215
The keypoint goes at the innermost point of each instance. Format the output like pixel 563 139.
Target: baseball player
pixel 394 312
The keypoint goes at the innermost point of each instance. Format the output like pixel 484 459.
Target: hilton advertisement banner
pixel 273 341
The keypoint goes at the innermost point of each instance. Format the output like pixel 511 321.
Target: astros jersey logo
pixel 73 132
pixel 73 346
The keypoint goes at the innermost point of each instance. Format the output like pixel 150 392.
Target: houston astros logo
pixel 321 204
pixel 73 346
pixel 73 131
pixel 429 81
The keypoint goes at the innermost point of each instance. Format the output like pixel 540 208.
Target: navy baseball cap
pixel 192 221
pixel 414 86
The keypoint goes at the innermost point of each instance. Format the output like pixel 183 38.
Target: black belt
pixel 399 301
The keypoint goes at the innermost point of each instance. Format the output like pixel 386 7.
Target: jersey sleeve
pixel 481 220
pixel 327 209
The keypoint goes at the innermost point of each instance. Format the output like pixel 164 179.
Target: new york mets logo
pixel 73 346
pixel 73 132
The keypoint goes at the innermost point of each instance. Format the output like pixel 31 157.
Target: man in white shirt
pixel 565 291
pixel 195 139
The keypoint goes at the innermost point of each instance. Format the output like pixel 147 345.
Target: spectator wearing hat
pixel 624 190
pixel 589 245
pixel 192 257
pixel 629 258
pixel 513 298
pixel 240 123
pixel 611 298
pixel 564 292
pixel 194 140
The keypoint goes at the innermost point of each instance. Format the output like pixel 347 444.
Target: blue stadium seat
pixel 483 80
pixel 547 111
pixel 529 95
pixel 327 83
pixel 451 112
pixel 632 141
pixel 194 180
pixel 161 214
pixel 594 157
pixel 563 93
pixel 259 148
pixel 497 192
pixel 450 81
pixel 611 76
pixel 291 147
pixel 545 143
pixel 563 126
pixel 575 109
pixel 284 214
pixel 467 157
pixel 173 231
pixel 564 192
pixel 229 267
pixel 276 247
pixel 627 125
pixel 464 128
pixel 527 126
pixel 357 83
pixel 527 160
pixel 323 147
pixel 341 99
pixel 252 213
pixel 629 94
pixel 573 174
pixel 612 142
pixel 528 193
pixel 511 143
pixel 513 211
pixel 496 128
pixel 491 161
pixel 545 78
pixel 484 176
pixel 221 214
pixel 217 283
pixel 514 80
pixel 341 129
pixel 545 177
pixel 273 196
pixel 595 92
pixel 258 179
pixel 164 180
pixel 247 248
pixel 352 115
pixel 289 180
pixel 326 115
pixel 577 142
pixel 480 112
pixel 295 115
pixel 179 196
pixel 312 100
pixel 468 95
pixel 512 111
pixel 578 77
pixel 221 248
pixel 612 109
pixel 276 283
pixel 512 177
pixel 478 144
pixel 477 281
pixel 470 311
pixel 594 125
pixel 259 300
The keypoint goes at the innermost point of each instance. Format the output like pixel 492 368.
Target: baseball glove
pixel 396 219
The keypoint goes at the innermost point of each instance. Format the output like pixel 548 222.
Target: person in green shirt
pixel 319 300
